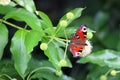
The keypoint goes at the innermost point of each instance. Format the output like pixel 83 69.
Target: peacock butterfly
pixel 79 45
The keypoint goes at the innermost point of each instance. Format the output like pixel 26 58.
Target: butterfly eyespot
pixel 84 28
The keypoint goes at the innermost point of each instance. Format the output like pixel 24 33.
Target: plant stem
pixel 66 44
pixel 40 68
pixel 118 71
pixel 58 38
pixel 8 23
pixel 108 72
pixel 57 31
pixel 6 76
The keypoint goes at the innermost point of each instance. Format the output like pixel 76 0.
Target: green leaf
pixel 6 9
pixel 32 39
pixel 3 38
pixel 45 18
pixel 34 63
pixel 55 54
pixel 69 31
pixel 23 15
pixel 18 50
pixel 13 4
pixel 108 58
pixel 20 2
pixel 77 13
pixel 45 70
pixel 7 67
pixel 45 74
pixel 41 68
pixel 28 4
pixel 97 71
pixel 49 31
pixel 48 75
pixel 46 23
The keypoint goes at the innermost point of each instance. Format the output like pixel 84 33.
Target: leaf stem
pixel 58 38
pixel 66 44
pixel 6 76
pixel 108 72
pixel 40 68
pixel 57 30
pixel 8 23
pixel 118 71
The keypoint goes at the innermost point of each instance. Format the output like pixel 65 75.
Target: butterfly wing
pixel 78 40
pixel 80 35
pixel 75 49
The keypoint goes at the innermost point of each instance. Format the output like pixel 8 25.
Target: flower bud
pixel 63 23
pixel 14 79
pixel 63 62
pixel 70 15
pixel 58 73
pixel 43 46
pixel 89 35
pixel 103 77
pixel 113 72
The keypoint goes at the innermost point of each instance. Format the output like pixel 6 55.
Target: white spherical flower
pixel 87 49
pixel 5 2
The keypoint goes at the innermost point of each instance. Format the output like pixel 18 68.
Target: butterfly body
pixel 79 42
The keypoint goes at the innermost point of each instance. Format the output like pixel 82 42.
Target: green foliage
pixel 107 58
pixel 3 38
pixel 39 29
pixel 20 56
pixel 24 41
pixel 57 55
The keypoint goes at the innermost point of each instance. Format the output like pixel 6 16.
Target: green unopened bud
pixel 63 23
pixel 113 72
pixel 89 35
pixel 5 2
pixel 58 73
pixel 70 15
pixel 43 46
pixel 63 62
pixel 103 77
pixel 14 79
